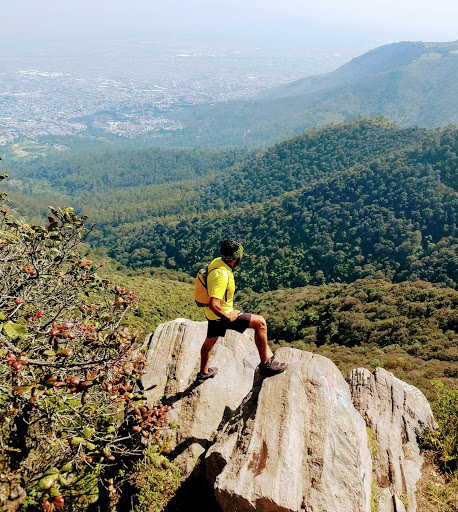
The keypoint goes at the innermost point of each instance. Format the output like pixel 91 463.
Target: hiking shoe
pixel 209 375
pixel 272 368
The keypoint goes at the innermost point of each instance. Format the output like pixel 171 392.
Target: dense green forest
pixel 410 328
pixel 119 186
pixel 393 217
pixel 361 199
pixel 105 170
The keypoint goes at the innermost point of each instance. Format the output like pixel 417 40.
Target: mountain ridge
pixel 379 60
pixel 412 83
pixel 394 214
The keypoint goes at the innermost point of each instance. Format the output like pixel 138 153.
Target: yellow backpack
pixel 200 287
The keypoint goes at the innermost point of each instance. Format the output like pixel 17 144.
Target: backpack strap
pixel 206 277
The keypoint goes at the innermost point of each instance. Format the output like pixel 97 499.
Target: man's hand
pixel 215 306
pixel 234 314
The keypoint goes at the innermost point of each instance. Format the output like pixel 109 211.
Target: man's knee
pixel 258 322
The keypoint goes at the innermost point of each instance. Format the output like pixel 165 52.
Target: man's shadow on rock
pixel 170 400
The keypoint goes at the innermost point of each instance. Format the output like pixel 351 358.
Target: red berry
pixel 47 506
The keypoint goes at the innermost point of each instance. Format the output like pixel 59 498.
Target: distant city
pixel 128 90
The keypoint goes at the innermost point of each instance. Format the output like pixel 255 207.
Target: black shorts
pixel 217 328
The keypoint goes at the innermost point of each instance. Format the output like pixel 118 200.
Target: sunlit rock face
pixel 295 444
pixel 396 413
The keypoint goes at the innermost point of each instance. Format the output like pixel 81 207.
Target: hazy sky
pixel 231 20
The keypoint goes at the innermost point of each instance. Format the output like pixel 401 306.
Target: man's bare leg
pixel 205 353
pixel 268 366
pixel 259 324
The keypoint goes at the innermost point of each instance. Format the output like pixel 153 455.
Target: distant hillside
pixel 380 60
pixel 412 83
pixel 100 169
pixel 117 186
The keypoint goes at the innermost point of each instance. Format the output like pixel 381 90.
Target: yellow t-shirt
pixel 221 285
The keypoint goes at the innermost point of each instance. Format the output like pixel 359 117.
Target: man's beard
pixel 237 262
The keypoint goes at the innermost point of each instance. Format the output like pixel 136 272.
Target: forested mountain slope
pixel 127 186
pixel 117 186
pixel 394 214
pixel 364 198
pixel 102 169
pixel 412 83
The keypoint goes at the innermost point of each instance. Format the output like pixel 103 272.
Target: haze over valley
pixel 127 89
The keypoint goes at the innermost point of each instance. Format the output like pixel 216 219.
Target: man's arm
pixel 215 306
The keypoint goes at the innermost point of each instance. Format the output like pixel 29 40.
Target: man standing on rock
pixel 221 314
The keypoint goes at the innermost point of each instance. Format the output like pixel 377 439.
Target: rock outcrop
pixel 173 360
pixel 294 442
pixel 396 413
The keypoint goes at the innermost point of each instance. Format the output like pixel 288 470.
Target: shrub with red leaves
pixel 69 369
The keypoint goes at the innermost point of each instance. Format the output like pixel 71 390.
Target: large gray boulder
pixel 396 413
pixel 173 360
pixel 295 444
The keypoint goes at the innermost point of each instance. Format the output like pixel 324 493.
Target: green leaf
pixel 52 471
pixel 78 440
pixel 13 330
pixel 66 467
pixel 2 316
pixel 63 481
pixel 88 432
